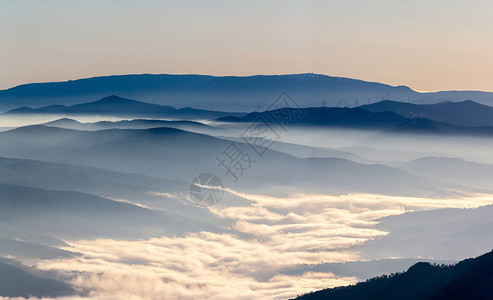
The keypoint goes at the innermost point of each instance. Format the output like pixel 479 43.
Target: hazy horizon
pixel 428 46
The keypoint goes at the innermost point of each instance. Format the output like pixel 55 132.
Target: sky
pixel 427 45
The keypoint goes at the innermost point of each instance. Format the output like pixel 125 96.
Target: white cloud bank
pixel 274 233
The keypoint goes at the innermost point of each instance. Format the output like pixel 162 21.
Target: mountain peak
pixel 63 121
pixel 114 98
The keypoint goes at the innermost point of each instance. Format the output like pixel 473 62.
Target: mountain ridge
pixel 118 106
pixel 464 113
pixel 358 118
pixel 230 93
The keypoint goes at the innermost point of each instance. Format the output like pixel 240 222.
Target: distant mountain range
pixel 230 93
pixel 121 107
pixel 469 279
pixel 451 118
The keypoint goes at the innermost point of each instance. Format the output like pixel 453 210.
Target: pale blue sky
pixel 428 45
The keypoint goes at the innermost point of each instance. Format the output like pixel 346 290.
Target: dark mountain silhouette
pixel 469 279
pixel 430 127
pixel 466 113
pixel 200 114
pixel 118 106
pixel 66 123
pixel 322 116
pixel 362 270
pixel 357 118
pixel 17 280
pixel 111 105
pixel 315 116
pixel 426 126
pixel 121 107
pixel 229 93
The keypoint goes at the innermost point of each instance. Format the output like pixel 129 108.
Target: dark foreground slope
pixel 17 280
pixel 469 279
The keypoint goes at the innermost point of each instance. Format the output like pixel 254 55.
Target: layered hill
pixel 358 118
pixel 118 107
pixel 71 215
pixel 178 154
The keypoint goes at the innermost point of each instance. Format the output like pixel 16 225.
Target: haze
pixel 141 159
pixel 427 45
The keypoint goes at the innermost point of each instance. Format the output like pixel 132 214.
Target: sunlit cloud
pixel 273 233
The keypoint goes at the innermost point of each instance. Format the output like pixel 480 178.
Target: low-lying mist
pixel 109 204
pixel 274 234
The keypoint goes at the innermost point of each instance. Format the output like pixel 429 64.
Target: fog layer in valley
pixel 100 206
